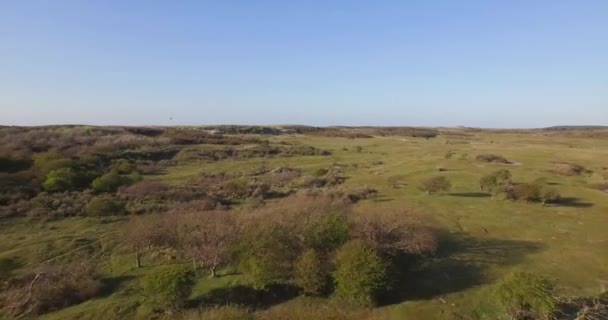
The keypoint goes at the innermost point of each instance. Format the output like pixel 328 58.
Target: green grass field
pixel 485 238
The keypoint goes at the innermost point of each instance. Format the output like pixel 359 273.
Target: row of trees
pixel 318 245
pixel 498 183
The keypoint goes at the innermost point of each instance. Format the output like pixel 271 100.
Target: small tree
pixel 360 273
pixel 268 252
pixel 168 286
pixel 527 296
pixel 496 182
pixel 209 237
pixel 144 232
pixel 309 273
pixel 435 184
pixel 392 233
pixel 549 195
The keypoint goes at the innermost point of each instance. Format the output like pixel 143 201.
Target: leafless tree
pixel 208 237
pixel 392 232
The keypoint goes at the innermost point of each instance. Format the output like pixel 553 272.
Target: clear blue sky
pixel 516 63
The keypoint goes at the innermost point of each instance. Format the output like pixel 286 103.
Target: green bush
pixel 329 233
pixel 320 172
pixel 310 274
pixel 124 167
pixel 49 161
pixel 492 158
pixel 268 254
pixel 496 182
pixel 435 184
pixel 59 180
pixel 549 195
pixel 169 286
pixel 112 180
pixel 530 192
pixel 360 273
pixel 104 206
pixel 527 296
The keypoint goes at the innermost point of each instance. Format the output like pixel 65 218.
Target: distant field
pixel 484 239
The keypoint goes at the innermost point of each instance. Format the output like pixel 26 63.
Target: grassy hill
pixel 481 239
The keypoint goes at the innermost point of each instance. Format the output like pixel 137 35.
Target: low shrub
pixel 527 296
pixel 310 274
pixel 529 192
pixel 104 206
pixel 50 288
pixel 268 253
pixel 360 273
pixel 568 169
pixel 145 190
pixel 397 181
pixel 59 205
pixel 435 184
pixel 392 233
pixel 112 180
pixel 492 158
pixel 361 194
pixel 10 165
pixel 496 182
pixel 603 186
pixel 550 195
pixel 168 287
pixel 64 179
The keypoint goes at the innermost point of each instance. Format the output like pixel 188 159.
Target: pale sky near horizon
pixel 430 63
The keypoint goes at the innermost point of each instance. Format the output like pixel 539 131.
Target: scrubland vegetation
pixel 297 222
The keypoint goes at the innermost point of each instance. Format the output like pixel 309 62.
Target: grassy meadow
pixel 482 239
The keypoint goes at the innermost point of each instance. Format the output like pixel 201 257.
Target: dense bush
pixel 112 180
pixel 268 253
pixel 496 182
pixel 325 232
pixel 568 169
pixel 19 182
pixel 14 165
pixel 392 233
pixel 146 190
pixel 360 274
pixel 50 288
pixel 261 150
pixel 59 205
pixel 494 158
pixel 64 179
pixel 527 296
pixel 603 186
pixel 49 161
pixel 435 184
pixel 310 274
pixel 361 194
pixel 530 192
pixel 104 206
pixel 168 287
pixel 550 195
